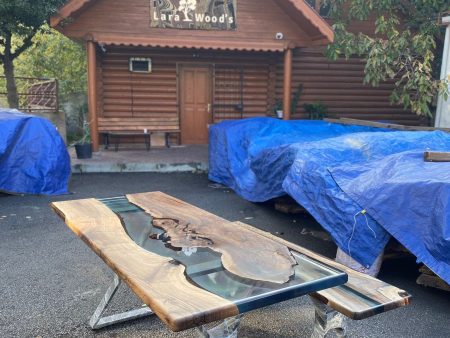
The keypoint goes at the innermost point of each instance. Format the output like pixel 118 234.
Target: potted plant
pixel 279 108
pixel 316 110
pixel 83 147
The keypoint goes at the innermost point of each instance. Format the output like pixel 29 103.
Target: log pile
pixel 288 205
pixel 430 279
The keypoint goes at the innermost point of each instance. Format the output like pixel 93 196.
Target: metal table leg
pixel 98 322
pixel 227 329
pixel 327 319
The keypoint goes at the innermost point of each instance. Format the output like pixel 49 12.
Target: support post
pixel 287 88
pixel 443 106
pixel 92 93
pixel 326 320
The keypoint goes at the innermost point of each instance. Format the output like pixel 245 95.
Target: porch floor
pixel 190 158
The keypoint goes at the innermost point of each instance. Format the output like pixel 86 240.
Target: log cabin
pixel 177 66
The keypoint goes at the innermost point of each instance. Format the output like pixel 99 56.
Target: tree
pixel 20 20
pixel 53 55
pixel 403 47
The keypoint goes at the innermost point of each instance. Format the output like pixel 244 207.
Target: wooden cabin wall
pixel 126 94
pixel 339 85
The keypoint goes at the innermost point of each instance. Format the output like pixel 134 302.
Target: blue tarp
pixel 311 184
pixel 33 156
pixel 316 162
pixel 253 156
pixel 410 198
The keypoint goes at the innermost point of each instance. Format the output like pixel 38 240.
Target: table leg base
pixel 98 322
pixel 327 319
pixel 227 329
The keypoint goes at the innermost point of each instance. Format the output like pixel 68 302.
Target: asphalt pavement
pixel 51 282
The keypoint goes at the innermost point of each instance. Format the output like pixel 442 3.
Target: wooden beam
pixel 355 122
pixel 430 156
pixel 92 93
pixel 287 89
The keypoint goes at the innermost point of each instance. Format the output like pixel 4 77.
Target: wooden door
pixel 195 103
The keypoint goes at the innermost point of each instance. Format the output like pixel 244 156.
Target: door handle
pixel 208 107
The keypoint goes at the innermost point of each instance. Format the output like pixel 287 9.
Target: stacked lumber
pixel 288 205
pixel 430 279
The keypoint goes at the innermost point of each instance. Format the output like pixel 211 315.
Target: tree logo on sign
pixel 187 6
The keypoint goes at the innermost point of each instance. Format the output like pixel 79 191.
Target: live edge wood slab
pixel 361 297
pixel 163 286
pixel 159 283
pixel 244 252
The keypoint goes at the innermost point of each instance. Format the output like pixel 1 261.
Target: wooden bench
pixel 361 297
pixel 119 127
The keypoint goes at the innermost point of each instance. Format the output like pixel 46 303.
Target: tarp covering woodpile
pixel 33 156
pixel 362 184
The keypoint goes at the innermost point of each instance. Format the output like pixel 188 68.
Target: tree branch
pixel 27 42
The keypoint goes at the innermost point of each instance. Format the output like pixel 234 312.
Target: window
pixel 141 65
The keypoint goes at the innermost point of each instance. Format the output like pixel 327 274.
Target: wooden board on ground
pixel 361 297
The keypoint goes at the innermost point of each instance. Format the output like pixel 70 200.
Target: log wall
pixel 127 94
pixel 339 85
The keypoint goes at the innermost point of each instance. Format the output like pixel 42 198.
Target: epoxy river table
pixel 188 266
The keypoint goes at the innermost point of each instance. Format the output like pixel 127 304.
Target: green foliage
pixel 294 102
pixel 402 47
pixel 278 105
pixel 22 19
pixel 296 98
pixel 55 56
pixel 86 137
pixel 316 110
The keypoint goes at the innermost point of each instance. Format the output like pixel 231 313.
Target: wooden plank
pixel 361 297
pixel 433 281
pixel 138 119
pixel 140 128
pixel 431 156
pixel 188 226
pixel 161 284
pixel 356 122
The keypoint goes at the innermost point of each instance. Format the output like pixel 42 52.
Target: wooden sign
pixel 193 14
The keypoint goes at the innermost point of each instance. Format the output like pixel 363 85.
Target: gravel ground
pixel 51 282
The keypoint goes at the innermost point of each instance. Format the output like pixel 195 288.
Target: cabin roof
pixel 300 11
